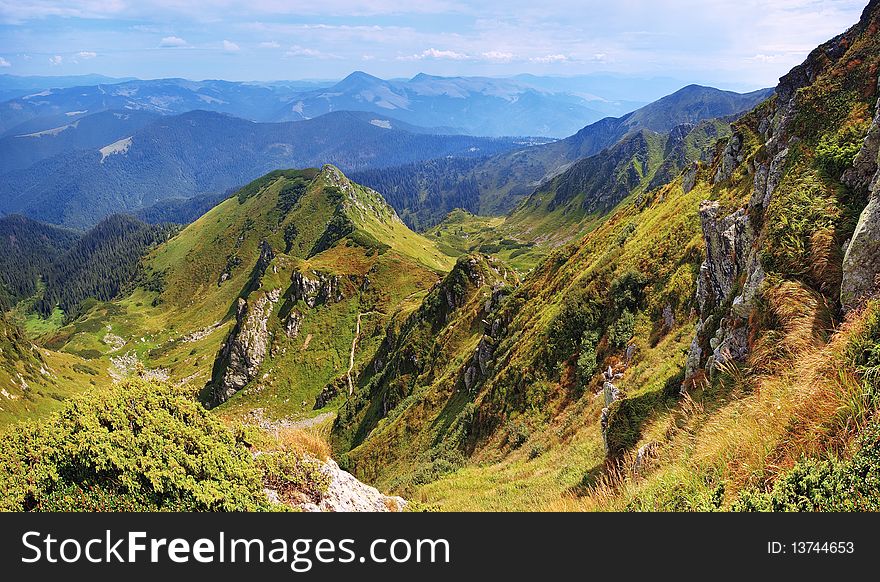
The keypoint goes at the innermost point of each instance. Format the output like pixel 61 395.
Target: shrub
pixel 587 364
pixel 622 331
pixel 292 475
pixel 579 311
pixel 835 153
pixel 627 290
pixel 518 432
pixel 139 445
pixel 825 485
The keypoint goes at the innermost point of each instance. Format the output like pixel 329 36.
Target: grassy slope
pixel 182 293
pixel 36 381
pixel 534 438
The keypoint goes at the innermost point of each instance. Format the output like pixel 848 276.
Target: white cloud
pixel 270 45
pixel 433 53
pixel 86 55
pixel 300 51
pixel 4 63
pixel 547 59
pixel 498 56
pixel 172 41
pixel 56 60
pixel 230 47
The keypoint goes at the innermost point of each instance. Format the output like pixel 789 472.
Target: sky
pixel 743 44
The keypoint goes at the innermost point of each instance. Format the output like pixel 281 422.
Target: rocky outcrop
pixel 861 263
pixel 731 158
pixel 689 178
pixel 611 394
pixel 346 493
pixel 246 346
pixel 730 257
pixel 480 364
pixel 728 241
pixel 315 288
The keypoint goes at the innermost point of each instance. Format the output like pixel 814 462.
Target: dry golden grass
pixel 754 425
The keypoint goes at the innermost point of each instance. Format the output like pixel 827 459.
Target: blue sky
pixel 738 44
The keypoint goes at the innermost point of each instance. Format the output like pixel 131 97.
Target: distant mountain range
pixel 424 193
pixel 522 105
pixel 475 105
pixel 54 107
pixel 200 152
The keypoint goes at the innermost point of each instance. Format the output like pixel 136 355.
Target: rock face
pixel 730 255
pixel 347 493
pixel 481 362
pixel 316 288
pixel 246 347
pixel 730 159
pixel 611 393
pixel 861 264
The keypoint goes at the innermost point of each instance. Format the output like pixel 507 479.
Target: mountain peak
pixel 423 77
pixel 357 79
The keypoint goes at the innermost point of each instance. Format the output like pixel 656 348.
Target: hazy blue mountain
pixel 12 86
pixel 201 152
pixel 497 184
pixel 50 107
pixel 475 105
pixel 92 131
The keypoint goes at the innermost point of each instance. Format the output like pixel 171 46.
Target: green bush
pixel 825 485
pixel 518 432
pixel 622 330
pixel 139 445
pixel 587 364
pixel 835 153
pixel 580 311
pixel 627 290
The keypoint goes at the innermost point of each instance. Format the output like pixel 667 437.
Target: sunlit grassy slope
pixel 176 319
pixel 525 432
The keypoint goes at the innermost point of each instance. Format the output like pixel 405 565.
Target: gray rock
pixel 861 263
pixel 316 289
pixel 246 346
pixel 643 455
pixel 293 323
pixel 611 392
pixel 731 158
pixel 689 178
pixel 865 167
pixel 668 316
pixel 346 493
pixel 728 241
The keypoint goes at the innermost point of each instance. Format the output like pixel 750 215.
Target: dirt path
pixel 357 334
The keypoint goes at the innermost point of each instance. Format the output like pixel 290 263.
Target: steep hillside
pixel 28 251
pixel 499 183
pixel 23 150
pixel 267 300
pixel 99 265
pixel 201 152
pixel 708 345
pixel 642 160
pixel 577 200
pixel 35 381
